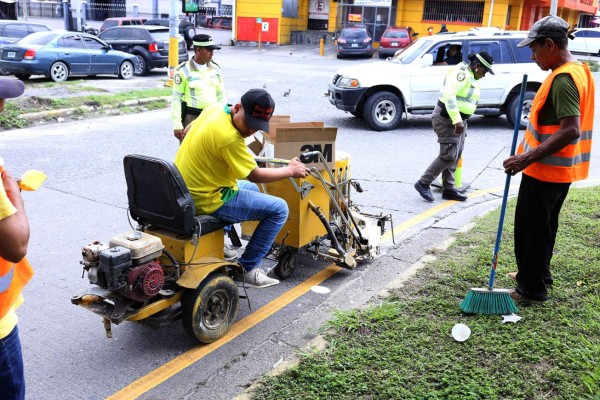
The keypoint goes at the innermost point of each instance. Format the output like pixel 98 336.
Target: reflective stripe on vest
pixel 572 162
pixel 12 281
pixel 6 279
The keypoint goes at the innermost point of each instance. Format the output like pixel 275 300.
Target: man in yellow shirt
pixel 216 167
pixel 14 271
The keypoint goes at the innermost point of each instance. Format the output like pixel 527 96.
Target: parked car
pixel 59 55
pixel 587 40
pixel 381 92
pixel 13 31
pixel 121 21
pixel 356 41
pixel 186 28
pixel 149 43
pixel 394 39
pixel 220 23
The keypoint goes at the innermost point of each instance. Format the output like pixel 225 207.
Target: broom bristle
pixel 486 301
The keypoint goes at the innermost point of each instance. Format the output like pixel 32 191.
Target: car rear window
pixel 109 24
pixel 109 34
pixel 16 31
pixel 38 28
pixel 354 33
pixel 160 36
pixel 38 38
pixel 395 34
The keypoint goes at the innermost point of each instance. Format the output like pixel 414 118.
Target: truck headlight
pixel 346 82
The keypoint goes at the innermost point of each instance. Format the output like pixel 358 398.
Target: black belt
pixel 444 112
pixel 193 111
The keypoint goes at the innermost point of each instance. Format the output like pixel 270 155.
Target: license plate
pixel 395 44
pixel 11 54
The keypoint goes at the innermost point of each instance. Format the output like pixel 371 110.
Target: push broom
pixel 489 300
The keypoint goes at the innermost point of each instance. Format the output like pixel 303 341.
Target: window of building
pixel 453 11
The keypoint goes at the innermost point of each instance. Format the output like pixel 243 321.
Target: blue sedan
pixel 59 54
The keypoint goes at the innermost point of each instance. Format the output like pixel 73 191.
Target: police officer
pixel 198 83
pixel 458 101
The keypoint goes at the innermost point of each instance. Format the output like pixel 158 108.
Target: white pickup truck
pixel 410 82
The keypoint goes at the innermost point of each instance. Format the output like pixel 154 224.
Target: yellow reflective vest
pixel 197 87
pixel 460 92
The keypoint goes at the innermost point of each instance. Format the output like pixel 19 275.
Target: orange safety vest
pixel 572 163
pixel 13 278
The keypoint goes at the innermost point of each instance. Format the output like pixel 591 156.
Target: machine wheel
pixel 209 311
pixel 23 77
pixel 511 112
pixel 126 70
pixel 383 111
pixel 59 72
pixel 286 265
pixel 142 65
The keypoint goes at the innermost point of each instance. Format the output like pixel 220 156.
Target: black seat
pixel 158 197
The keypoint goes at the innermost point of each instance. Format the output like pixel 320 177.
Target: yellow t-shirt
pixel 212 157
pixel 9 321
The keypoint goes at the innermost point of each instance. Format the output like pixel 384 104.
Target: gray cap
pixel 10 88
pixel 547 27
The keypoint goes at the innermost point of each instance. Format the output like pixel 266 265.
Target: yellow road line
pixel 167 370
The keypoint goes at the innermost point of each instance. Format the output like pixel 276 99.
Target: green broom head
pixel 488 301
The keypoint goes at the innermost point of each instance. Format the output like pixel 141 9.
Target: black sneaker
pixel 453 194
pixel 424 191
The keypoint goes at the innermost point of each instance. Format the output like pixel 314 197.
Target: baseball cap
pixel 10 88
pixel 206 41
pixel 547 27
pixel 258 108
pixel 486 60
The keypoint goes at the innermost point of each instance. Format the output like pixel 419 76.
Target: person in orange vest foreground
pixel 555 152
pixel 15 271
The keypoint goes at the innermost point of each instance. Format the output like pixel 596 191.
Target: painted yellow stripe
pixel 164 372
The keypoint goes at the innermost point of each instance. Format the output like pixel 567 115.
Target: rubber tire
pixel 189 40
pixel 511 112
pixel 383 111
pixel 286 265
pixel 59 72
pixel 4 72
pixel 126 70
pixel 23 77
pixel 357 114
pixel 143 69
pixel 199 306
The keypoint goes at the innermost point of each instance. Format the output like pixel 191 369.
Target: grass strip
pixel 402 348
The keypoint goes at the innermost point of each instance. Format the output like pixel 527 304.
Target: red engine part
pixel 145 281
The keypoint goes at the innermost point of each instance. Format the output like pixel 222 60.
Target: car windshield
pixel 354 33
pixel 39 38
pixel 395 34
pixel 411 52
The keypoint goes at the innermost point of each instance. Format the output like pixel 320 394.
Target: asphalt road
pixel 67 355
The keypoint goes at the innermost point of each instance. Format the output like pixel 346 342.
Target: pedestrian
pixel 554 152
pixel 221 175
pixel 443 29
pixel 15 271
pixel 197 84
pixel 458 101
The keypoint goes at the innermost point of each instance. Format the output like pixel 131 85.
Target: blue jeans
pixel 249 204
pixel 12 380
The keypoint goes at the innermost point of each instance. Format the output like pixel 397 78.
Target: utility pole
pixel 491 13
pixel 173 42
pixel 553 7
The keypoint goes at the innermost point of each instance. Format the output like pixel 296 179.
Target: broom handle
pixel 513 148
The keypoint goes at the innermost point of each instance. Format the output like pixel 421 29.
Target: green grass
pixel 403 349
pixel 10 118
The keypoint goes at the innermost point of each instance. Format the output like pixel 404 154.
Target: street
pixel 66 352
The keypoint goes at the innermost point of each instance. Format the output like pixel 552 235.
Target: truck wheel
pixel 383 111
pixel 511 112
pixel 208 312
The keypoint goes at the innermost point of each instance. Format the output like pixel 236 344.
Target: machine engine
pixel 128 266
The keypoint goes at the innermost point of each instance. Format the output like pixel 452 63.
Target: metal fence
pixel 453 11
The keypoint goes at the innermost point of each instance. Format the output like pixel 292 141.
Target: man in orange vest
pixel 15 272
pixel 554 153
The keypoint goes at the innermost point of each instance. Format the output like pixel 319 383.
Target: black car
pixel 12 31
pixel 186 28
pixel 354 40
pixel 149 43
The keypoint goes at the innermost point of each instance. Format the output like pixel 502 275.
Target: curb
pixel 65 112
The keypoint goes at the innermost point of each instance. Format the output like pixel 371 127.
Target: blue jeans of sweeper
pixel 12 381
pixel 251 205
